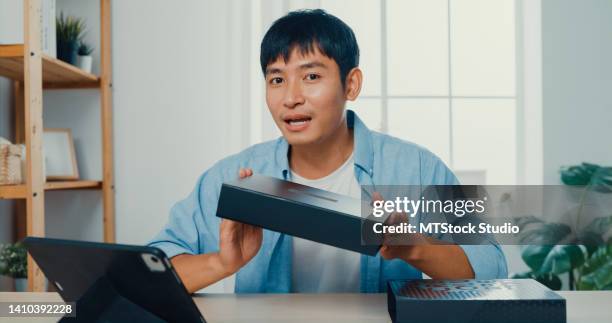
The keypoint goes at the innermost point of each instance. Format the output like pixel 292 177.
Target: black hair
pixel 304 29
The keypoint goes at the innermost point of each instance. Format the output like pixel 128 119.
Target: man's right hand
pixel 238 242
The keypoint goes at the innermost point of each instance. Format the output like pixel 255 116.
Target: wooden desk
pixel 582 307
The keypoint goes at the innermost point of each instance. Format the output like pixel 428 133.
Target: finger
pixel 228 222
pixel 245 172
pixel 376 196
pixel 385 253
pixel 227 230
pixel 396 218
pixel 252 229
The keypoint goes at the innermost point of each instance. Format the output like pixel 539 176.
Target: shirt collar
pixel 363 152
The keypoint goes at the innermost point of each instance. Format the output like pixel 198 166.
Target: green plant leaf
pixel 578 175
pixel 601 180
pixel 592 235
pixel 534 255
pixel 523 221
pixel 591 241
pixel 600 257
pixel 535 231
pixel 69 28
pixel 598 279
pixel 596 273
pixel 543 233
pixel 599 226
pixel 14 260
pixel 563 258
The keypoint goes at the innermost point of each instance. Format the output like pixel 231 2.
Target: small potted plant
pixel 69 33
pixel 13 263
pixel 84 59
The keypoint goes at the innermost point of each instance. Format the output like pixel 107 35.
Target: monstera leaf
pixel 578 175
pixel 541 253
pixel 598 178
pixel 551 248
pixel 602 180
pixel 536 231
pixel 596 273
pixel 535 255
pixel 562 259
pixel 592 235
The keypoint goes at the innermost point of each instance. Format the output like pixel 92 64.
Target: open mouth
pixel 297 122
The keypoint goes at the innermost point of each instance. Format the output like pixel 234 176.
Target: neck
pixel 322 158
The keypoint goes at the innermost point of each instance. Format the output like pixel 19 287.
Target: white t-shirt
pixel 319 268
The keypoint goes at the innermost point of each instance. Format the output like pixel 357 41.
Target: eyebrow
pixel 312 64
pixel 273 71
pixel 276 70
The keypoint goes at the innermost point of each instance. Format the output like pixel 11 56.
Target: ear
pixel 353 84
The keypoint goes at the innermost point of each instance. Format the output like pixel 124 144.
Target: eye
pixel 312 76
pixel 276 80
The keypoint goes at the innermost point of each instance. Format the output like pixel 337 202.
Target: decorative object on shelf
pixel 70 30
pixel 59 155
pixel 10 163
pixel 13 263
pixel 84 59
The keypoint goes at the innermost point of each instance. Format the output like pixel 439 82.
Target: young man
pixel 310 63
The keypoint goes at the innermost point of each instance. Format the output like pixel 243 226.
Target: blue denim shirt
pixel 380 159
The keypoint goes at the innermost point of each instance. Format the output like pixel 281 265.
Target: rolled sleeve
pixel 487 261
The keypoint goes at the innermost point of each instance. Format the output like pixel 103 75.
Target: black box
pixel 474 301
pixel 297 210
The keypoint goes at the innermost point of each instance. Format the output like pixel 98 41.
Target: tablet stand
pixel 102 303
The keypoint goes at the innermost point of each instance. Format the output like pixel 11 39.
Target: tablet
pixel 113 282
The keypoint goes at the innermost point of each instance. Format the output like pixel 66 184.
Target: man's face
pixel 305 97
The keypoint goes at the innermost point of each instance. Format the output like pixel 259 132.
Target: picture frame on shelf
pixel 59 155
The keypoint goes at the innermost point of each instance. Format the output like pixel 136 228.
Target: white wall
pixel 176 112
pixel 577 78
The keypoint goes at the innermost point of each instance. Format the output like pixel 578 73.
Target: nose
pixel 293 95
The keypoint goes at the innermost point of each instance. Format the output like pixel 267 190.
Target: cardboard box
pixel 474 301
pixel 296 210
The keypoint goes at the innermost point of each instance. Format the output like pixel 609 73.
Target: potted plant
pixel 586 258
pixel 13 263
pixel 84 59
pixel 69 33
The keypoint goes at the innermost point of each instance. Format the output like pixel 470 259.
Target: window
pixel 442 74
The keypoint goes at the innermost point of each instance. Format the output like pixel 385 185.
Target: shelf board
pixel 9 192
pixel 67 185
pixel 19 191
pixel 56 73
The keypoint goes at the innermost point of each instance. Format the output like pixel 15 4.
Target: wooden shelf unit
pixel 31 72
pixel 56 74
pixel 20 191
